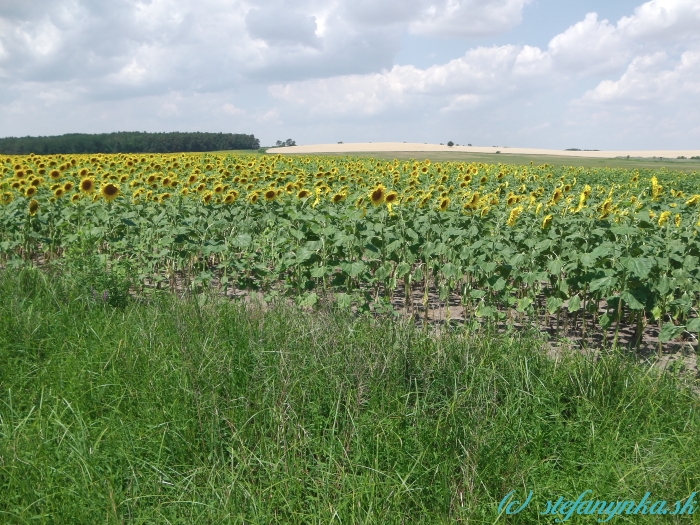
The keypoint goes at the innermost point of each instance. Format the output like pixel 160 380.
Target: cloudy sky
pixel 529 73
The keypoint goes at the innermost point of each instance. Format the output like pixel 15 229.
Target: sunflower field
pixel 592 248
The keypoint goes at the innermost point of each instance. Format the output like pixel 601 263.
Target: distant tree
pixel 450 143
pixel 127 142
pixel 280 144
pixel 290 142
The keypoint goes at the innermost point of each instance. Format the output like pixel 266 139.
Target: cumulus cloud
pixel 652 80
pixel 306 62
pixel 481 74
pixel 468 17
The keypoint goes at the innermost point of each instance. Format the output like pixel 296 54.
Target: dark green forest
pixel 127 142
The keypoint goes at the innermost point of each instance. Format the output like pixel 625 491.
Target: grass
pixel 686 166
pixel 199 410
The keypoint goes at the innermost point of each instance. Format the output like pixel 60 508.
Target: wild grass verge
pixel 210 411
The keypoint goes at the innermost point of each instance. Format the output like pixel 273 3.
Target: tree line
pixel 127 142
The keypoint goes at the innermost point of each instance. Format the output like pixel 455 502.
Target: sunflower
pixel 253 197
pixel 75 197
pixel 30 191
pixel 391 197
pixel 444 204
pixel 164 196
pixel 68 186
pixel 87 185
pixel 663 217
pixel 557 195
pixel 33 207
pixel 693 200
pixel 513 216
pixel 677 220
pixel 6 198
pixel 378 195
pixel 230 197
pixel 109 191
pixel 546 221
pixel 83 172
pixel 270 194
pixel 58 192
pixel 303 194
pixel 207 197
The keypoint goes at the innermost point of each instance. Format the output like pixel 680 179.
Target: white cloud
pixel 323 64
pixel 481 74
pixel 230 109
pixel 652 80
pixel 467 17
pixel 590 46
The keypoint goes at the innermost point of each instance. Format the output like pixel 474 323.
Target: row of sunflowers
pixel 499 240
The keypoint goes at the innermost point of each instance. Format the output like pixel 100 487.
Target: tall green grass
pixel 202 411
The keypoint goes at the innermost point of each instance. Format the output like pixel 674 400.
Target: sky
pixel 511 73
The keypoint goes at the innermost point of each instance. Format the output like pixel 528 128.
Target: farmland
pixel 227 338
pixel 581 251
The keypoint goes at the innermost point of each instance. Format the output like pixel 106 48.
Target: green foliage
pixel 199 410
pixel 127 142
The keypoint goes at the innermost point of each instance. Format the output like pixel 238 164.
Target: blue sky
pixel 530 73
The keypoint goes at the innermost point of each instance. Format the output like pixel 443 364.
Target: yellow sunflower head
pixel 109 191
pixel 87 185
pixel 303 194
pixel 33 207
pixel 378 195
pixel 270 194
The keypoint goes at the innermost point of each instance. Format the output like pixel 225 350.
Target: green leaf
pixel 663 285
pixel 574 303
pixel 602 284
pixel 319 271
pixel 353 269
pixel 670 331
pixel 523 304
pixel 588 260
pixel 402 270
pixel 343 301
pixel 242 240
pixel 485 311
pixel 693 325
pixel 310 300
pixel 555 266
pixel 631 301
pixel 605 321
pixel 553 304
pixel 640 266
pixel 449 271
